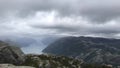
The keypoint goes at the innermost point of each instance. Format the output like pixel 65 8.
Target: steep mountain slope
pixel 95 50
pixel 10 54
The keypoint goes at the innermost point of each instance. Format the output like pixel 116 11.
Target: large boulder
pixel 10 54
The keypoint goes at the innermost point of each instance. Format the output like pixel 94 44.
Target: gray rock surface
pixel 10 54
pixel 12 66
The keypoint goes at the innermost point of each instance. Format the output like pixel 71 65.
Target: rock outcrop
pixel 10 54
pixel 50 61
pixel 13 66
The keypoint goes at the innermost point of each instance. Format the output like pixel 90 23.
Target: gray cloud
pixel 40 19
pixel 95 10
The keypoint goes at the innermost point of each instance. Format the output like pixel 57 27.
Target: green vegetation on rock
pixel 50 61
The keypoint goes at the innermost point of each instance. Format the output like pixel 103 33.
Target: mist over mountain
pixel 29 44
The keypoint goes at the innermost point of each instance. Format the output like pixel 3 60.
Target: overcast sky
pixel 60 17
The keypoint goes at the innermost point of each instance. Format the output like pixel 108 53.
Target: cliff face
pixel 95 50
pixel 10 54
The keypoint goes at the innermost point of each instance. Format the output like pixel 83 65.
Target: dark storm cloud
pixel 26 7
pixel 59 28
pixel 102 14
pixel 95 10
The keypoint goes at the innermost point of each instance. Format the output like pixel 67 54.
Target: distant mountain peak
pixel 90 49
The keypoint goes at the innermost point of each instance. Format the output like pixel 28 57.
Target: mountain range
pixel 13 57
pixel 90 49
